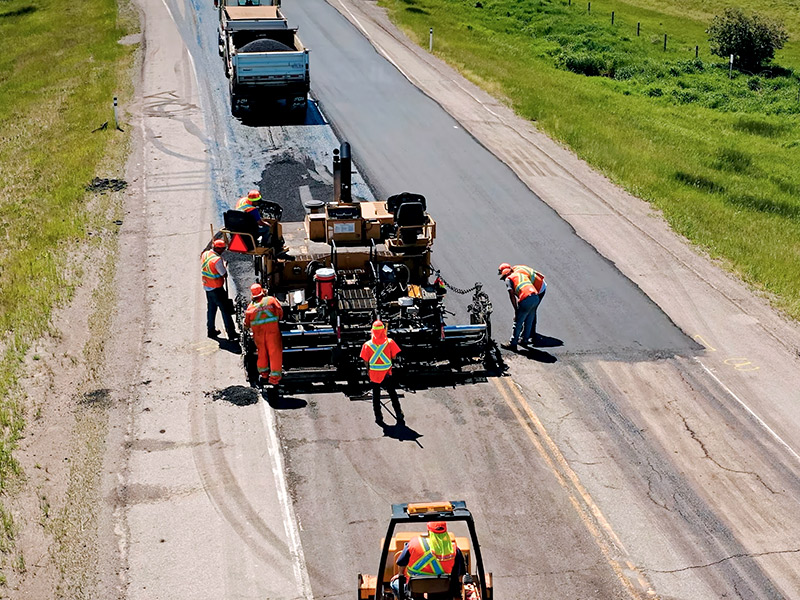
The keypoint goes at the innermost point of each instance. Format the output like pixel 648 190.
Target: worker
pixel 378 353
pixel 247 205
pixel 262 316
pixel 215 272
pixel 526 288
pixel 432 554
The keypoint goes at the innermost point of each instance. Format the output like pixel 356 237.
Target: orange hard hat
pixel 377 325
pixel 256 290
pixel 220 243
pixel 254 195
pixel 504 270
pixel 437 526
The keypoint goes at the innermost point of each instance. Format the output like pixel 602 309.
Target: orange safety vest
pixel 211 278
pixel 245 205
pixel 422 560
pixel 522 277
pixel 379 361
pixel 264 312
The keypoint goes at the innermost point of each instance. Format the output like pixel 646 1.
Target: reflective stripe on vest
pixel 521 282
pixel 245 205
pixel 537 279
pixel 209 259
pixel 263 315
pixel 428 564
pixel 379 361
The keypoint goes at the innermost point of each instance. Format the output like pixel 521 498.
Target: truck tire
pixel 234 96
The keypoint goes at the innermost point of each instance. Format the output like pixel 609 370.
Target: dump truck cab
pixel 407 522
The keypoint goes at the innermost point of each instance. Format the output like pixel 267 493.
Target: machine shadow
pixel 281 115
pixel 283 402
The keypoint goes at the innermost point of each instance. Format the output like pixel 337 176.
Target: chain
pixel 453 288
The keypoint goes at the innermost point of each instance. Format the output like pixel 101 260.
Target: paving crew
pixel 214 273
pixel 262 316
pixel 526 288
pixel 432 554
pixel 378 353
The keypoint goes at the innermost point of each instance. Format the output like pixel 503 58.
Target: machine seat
pixel 410 219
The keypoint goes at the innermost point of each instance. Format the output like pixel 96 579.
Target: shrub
pixel 751 39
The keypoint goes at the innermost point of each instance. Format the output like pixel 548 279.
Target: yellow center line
pixel 584 505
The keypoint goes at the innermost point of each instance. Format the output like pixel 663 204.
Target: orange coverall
pixel 262 317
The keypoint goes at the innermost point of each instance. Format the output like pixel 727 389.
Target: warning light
pixel 238 244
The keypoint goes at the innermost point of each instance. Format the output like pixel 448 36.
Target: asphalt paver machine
pixel 347 264
pixel 405 525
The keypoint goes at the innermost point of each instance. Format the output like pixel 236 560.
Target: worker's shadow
pixel 402 433
pixel 542 341
pixel 230 346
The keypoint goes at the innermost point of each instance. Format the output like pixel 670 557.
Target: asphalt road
pixel 611 466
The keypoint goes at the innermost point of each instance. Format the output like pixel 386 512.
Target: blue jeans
pixel 218 299
pixel 526 318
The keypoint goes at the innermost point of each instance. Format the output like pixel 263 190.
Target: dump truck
pixel 410 520
pixel 346 265
pixel 264 59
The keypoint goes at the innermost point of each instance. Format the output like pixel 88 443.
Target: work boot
pixel 213 333
pixel 509 346
pixel 233 337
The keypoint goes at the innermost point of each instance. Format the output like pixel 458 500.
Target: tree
pixel 752 39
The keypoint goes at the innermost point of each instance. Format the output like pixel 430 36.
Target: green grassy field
pixel 720 157
pixel 60 66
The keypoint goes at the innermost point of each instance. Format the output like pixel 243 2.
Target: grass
pixel 718 155
pixel 60 66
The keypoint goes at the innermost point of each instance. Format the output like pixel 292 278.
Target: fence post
pixel 589 8
pixel 612 17
pixel 116 116
pixel 430 40
pixel 696 51
pixel 665 42
pixel 730 71
pixel 638 26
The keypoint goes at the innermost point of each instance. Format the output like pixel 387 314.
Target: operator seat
pixel 434 586
pixel 237 221
pixel 410 219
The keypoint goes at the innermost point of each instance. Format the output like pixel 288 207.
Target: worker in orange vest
pixel 214 273
pixel 378 353
pixel 262 316
pixel 432 554
pixel 247 204
pixel 526 288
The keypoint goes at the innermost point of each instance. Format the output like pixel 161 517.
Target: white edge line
pixel 375 44
pixel 749 410
pixel 289 520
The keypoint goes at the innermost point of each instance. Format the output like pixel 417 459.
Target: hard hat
pixel 437 526
pixel 256 290
pixel 220 243
pixel 254 195
pixel 377 325
pixel 504 270
pixel 503 267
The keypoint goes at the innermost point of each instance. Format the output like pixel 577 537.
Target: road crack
pixel 707 454
pixel 722 560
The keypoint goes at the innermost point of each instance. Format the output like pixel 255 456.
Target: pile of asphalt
pixel 237 395
pixel 265 46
